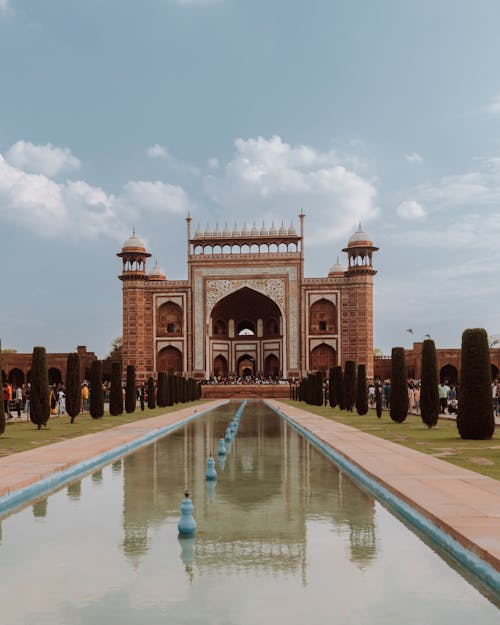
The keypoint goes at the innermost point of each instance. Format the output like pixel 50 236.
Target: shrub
pixel 73 386
pixel 96 408
pixel 429 394
pixel 151 394
pixel 170 390
pixel 116 390
pixel 2 411
pixel 39 389
pixel 475 418
pixel 349 384
pixel 399 386
pixel 338 386
pixel 361 391
pixel 130 392
pixel 161 394
pixel 332 399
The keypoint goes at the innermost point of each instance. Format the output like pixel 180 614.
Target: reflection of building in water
pixel 272 483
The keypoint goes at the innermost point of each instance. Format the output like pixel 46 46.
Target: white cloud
pixel 270 178
pixel 157 196
pixel 411 210
pixel 493 108
pixel 156 151
pixel 42 159
pixel 76 209
pixel 4 5
pixel 413 157
pixel 213 163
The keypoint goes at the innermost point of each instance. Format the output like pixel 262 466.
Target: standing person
pixel 416 397
pixel 371 394
pixel 7 396
pixel 387 393
pixel 61 401
pixel 443 397
pixel 85 398
pixel 27 401
pixel 19 400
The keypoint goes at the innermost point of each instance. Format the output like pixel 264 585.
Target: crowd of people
pixel 245 379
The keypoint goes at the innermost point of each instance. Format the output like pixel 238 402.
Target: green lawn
pixel 20 436
pixel 442 441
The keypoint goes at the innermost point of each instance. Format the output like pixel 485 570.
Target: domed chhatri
pixel 187 524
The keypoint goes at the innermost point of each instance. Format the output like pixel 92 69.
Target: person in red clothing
pixel 7 396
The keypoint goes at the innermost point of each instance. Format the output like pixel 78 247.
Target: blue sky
pixel 115 113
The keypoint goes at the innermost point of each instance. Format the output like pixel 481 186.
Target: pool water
pixel 283 537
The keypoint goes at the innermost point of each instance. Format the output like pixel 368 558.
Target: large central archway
pixel 246 325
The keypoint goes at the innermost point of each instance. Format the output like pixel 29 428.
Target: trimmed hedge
pixel 475 419
pixel 161 394
pixel 429 394
pixel 151 394
pixel 361 391
pixel 399 386
pixel 96 391
pixel 73 387
pixel 116 391
pixel 130 392
pixel 39 388
pixel 349 384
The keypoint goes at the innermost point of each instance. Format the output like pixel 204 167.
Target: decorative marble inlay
pixel 315 342
pixel 331 297
pixel 274 288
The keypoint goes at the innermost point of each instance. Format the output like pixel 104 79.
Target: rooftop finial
pixel 133 230
pixel 360 228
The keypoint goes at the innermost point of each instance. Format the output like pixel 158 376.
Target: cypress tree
pixel 2 409
pixel 332 398
pixel 318 390
pixel 170 390
pixel 361 391
pixel 116 391
pixel 96 391
pixel 349 384
pixel 378 399
pixel 399 386
pixel 475 418
pixel 142 391
pixel 175 388
pixel 162 389
pixel 39 389
pixel 151 394
pixel 130 392
pixel 429 394
pixel 338 386
pixel 73 388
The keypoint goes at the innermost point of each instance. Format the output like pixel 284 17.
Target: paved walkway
pixel 464 504
pixel 27 467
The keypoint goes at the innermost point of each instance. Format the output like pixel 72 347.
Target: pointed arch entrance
pixel 323 357
pixel 220 366
pixel 252 326
pixel 169 360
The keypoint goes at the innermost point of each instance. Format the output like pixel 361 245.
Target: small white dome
pixel 208 233
pixel 254 232
pixel 338 267
pixel 236 232
pixel 264 231
pixel 226 232
pixel 245 232
pixel 360 236
pixel 157 273
pixel 283 230
pixel 216 232
pixel 197 232
pixel 272 229
pixel 291 229
pixel 134 243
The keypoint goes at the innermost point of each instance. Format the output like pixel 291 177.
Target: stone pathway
pixel 27 467
pixel 466 505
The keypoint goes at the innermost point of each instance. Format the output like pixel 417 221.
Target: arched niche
pixel 322 358
pixel 169 320
pixel 220 366
pixel 323 317
pixel 448 373
pixel 16 376
pixel 169 360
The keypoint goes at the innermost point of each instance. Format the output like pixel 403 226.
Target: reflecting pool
pixel 282 536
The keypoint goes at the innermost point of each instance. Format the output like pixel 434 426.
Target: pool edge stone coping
pixel 17 498
pixel 471 561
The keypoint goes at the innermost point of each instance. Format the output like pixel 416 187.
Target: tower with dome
pixel 246 307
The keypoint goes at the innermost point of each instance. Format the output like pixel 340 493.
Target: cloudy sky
pixel 115 113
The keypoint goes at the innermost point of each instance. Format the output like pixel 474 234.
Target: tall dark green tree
pixel 130 391
pixel 349 384
pixel 170 390
pixel 378 399
pixel 39 389
pixel 151 394
pixel 318 388
pixel 161 394
pixel 73 386
pixel 399 385
pixel 338 386
pixel 475 419
pixel 429 394
pixel 116 390
pixel 96 407
pixel 361 391
pixel 332 398
pixel 2 408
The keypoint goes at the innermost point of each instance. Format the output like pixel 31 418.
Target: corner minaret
pixel 134 278
pixel 357 305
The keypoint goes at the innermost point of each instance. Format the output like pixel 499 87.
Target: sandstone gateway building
pixel 246 307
